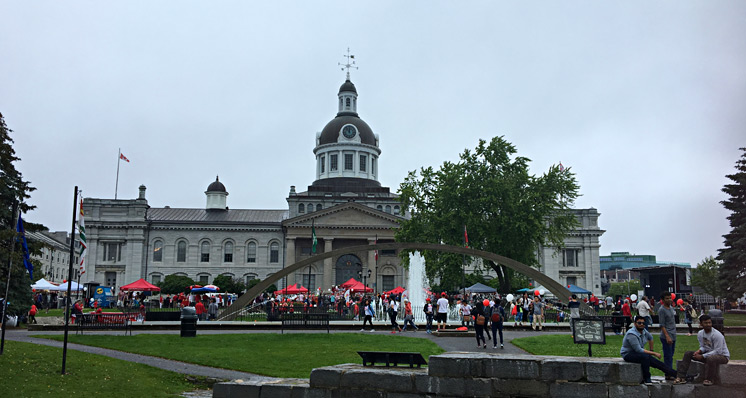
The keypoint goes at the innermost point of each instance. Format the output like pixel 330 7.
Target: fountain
pixel 418 285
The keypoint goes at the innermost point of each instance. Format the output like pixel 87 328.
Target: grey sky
pixel 644 100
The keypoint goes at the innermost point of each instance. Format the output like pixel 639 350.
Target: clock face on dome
pixel 349 131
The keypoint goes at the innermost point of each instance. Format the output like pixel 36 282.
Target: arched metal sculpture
pixel 560 291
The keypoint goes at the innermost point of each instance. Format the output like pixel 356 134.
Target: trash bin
pixel 188 322
pixel 718 322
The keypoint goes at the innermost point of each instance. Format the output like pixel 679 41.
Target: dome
pixel 330 133
pixel 216 186
pixel 347 86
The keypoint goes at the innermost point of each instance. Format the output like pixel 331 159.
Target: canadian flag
pixel 121 156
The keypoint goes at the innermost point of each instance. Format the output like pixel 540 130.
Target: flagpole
pixel 80 192
pixel 116 187
pixel 16 213
pixel 463 271
pixel 69 281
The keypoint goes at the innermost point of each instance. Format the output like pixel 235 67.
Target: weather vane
pixel 350 63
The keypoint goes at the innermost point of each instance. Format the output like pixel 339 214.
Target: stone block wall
pixel 461 374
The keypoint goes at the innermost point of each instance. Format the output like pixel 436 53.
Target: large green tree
pixel 707 276
pixel 174 284
pixel 505 209
pixel 733 255
pixel 13 188
pixel 228 284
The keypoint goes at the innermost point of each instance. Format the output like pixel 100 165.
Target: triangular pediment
pixel 346 215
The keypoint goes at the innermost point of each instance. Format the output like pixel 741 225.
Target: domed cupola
pixel 216 196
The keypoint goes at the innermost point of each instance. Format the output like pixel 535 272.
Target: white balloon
pixel 633 297
pixel 509 297
pixel 541 292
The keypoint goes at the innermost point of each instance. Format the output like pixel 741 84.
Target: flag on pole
pixel 82 239
pixel 313 237
pixel 466 238
pixel 561 167
pixel 121 156
pixel 26 259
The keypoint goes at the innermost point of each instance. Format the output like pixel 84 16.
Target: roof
pixel 216 186
pixel 330 133
pixel 243 216
pixel 347 86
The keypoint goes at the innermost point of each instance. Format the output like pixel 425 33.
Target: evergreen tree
pixel 13 188
pixel 733 256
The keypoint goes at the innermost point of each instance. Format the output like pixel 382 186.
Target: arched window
pixel 388 208
pixel 301 208
pixel 274 252
pixel 379 208
pixel 397 210
pixel 181 249
pixel 318 207
pixel 251 253
pixel 158 251
pixel 310 207
pixel 204 255
pixel 347 102
pixel 228 252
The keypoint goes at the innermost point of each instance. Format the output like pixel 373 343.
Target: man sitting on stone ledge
pixel 633 351
pixel 712 351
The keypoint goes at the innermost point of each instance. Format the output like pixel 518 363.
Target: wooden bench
pixel 105 321
pixel 303 320
pixel 370 358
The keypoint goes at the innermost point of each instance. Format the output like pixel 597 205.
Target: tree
pixel 624 288
pixel 707 277
pixel 228 284
pixel 174 284
pixel 733 255
pixel 13 188
pixel 489 191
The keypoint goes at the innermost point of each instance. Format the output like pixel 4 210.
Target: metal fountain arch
pixel 555 287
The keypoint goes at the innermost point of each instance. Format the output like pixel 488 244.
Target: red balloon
pixel 486 303
pixel 679 301
pixel 536 292
pixel 673 296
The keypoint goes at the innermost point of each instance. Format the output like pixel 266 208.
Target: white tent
pixel 43 284
pixel 63 287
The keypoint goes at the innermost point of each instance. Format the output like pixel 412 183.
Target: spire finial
pixel 349 65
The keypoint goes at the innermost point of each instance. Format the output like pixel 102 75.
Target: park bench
pixel 370 358
pixel 304 320
pixel 105 321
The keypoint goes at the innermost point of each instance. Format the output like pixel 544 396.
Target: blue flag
pixel 26 260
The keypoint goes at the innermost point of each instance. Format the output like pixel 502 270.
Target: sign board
pixel 588 331
pixel 103 295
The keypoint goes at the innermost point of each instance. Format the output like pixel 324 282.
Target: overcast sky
pixel 645 101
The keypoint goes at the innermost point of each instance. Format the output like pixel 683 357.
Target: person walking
pixel 538 314
pixel 442 315
pixel 465 313
pixel 688 315
pixel 574 306
pixel 667 321
pixel 526 306
pixel 497 315
pixel 429 313
pixel 32 314
pixel 393 312
pixel 212 310
pixel 369 315
pixel 408 316
pixel 643 309
pixel 627 313
pixel 480 320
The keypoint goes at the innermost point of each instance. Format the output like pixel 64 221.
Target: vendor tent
pixel 396 290
pixel 524 290
pixel 480 288
pixel 140 285
pixel 577 290
pixel 43 284
pixel 292 289
pixel 349 283
pixel 75 287
pixel 359 288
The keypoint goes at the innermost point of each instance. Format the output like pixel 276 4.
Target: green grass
pixel 59 311
pixel 278 355
pixel 562 345
pixel 31 370
pixel 735 319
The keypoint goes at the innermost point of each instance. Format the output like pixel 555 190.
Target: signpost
pixel 588 331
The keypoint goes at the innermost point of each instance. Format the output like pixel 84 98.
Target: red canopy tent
pixel 396 290
pixel 292 289
pixel 359 288
pixel 349 283
pixel 140 285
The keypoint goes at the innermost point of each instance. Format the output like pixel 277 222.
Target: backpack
pixel 495 317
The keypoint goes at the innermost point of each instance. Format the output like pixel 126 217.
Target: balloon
pixel 633 297
pixel 486 303
pixel 679 301
pixel 673 296
pixel 542 291
pixel 536 292
pixel 510 297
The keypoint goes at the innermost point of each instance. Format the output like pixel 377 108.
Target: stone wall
pixel 459 374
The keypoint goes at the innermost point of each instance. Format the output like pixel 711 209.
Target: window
pixel 348 161
pixel 388 282
pixel 305 250
pixel 311 285
pixel 158 251
pixel 363 161
pixel 301 208
pixel 112 252
pixel 204 279
pixel 388 208
pixel 228 252
pixel 572 280
pixel 347 102
pixel 318 207
pixel 309 207
pixel 250 278
pixel 380 208
pixel 397 210
pixel 251 253
pixel 388 252
pixel 333 160
pixel 570 257
pixel 373 167
pixel 181 252
pixel 323 163
pixel 155 279
pixel 274 252
pixel 205 252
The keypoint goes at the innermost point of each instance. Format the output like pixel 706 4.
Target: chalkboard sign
pixel 588 331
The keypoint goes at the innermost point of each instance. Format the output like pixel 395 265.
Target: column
pixel 372 282
pixel 328 265
pixel 290 259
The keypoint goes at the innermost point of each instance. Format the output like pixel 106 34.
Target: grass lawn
pixel 30 370
pixel 58 312
pixel 278 355
pixel 735 319
pixel 562 345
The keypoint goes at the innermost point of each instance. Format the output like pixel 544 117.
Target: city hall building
pixel 346 205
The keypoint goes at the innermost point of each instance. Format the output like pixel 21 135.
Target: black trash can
pixel 718 322
pixel 188 322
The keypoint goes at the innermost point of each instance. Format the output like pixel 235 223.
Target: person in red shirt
pixel 32 314
pixel 199 308
pixel 627 312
